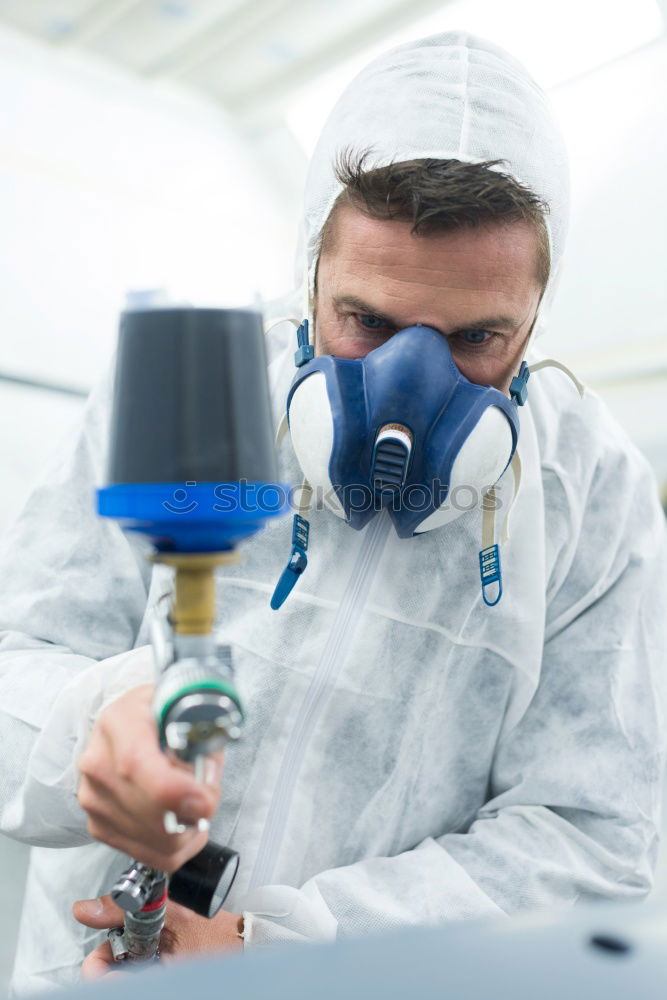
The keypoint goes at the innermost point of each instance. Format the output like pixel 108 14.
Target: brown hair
pixel 438 196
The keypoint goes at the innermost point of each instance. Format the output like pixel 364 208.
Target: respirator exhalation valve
pixel 391 458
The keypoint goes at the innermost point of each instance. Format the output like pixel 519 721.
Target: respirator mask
pixel 400 430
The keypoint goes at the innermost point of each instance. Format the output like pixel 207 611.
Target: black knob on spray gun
pixel 192 466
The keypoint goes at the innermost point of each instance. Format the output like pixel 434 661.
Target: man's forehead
pixel 501 256
pixel 451 278
pixel 353 233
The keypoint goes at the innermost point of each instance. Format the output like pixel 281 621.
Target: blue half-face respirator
pixel 400 429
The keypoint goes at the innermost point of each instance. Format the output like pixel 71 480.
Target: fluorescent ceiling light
pixel 563 40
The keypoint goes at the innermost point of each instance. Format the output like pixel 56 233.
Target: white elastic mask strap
pixel 489 518
pixel 282 319
pixel 306 489
pixel 283 428
pixel 306 498
pixel 516 473
pixel 552 363
pixel 489 507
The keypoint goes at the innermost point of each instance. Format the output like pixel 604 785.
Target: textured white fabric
pixel 278 913
pixel 519 749
pixel 410 756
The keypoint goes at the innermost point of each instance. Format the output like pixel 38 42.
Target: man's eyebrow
pixel 490 323
pixel 485 323
pixel 362 307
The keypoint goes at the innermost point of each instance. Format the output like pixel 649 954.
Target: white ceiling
pixel 243 53
pixel 257 58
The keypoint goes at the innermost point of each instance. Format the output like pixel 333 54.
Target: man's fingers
pixel 138 760
pixel 129 786
pixel 156 783
pixel 97 798
pixel 151 773
pixel 100 962
pixel 98 913
pixel 165 855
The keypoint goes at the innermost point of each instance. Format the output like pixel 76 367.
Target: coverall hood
pixel 449 96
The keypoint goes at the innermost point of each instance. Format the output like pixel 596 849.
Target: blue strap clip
pixel 519 385
pixel 298 561
pixel 305 351
pixel 489 571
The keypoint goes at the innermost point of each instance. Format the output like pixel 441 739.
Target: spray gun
pixel 192 467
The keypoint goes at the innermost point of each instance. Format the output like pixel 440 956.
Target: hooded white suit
pixel 411 755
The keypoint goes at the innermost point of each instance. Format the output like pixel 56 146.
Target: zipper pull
pixel 298 561
pixel 490 572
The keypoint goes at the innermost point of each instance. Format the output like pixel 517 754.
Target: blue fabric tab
pixel 297 563
pixel 490 572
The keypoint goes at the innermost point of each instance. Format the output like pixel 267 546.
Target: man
pixel 411 755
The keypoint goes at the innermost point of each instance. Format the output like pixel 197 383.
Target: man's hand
pixel 185 934
pixel 128 783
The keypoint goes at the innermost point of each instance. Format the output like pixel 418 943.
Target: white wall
pixel 108 184
pixel 610 315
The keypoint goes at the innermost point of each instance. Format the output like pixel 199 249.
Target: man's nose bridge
pixel 411 374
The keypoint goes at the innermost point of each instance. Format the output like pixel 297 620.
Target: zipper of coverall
pixel 321 687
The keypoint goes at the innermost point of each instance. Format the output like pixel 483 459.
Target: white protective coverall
pixel 411 755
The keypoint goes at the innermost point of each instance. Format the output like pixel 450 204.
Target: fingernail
pixel 94 907
pixel 171 824
pixel 191 809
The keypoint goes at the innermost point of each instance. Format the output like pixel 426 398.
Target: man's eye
pixel 370 322
pixel 474 336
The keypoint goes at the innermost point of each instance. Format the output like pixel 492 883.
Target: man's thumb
pixel 102 912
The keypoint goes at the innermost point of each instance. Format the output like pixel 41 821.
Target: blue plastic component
pixel 305 351
pixel 490 572
pixel 193 517
pixel 519 385
pixel 436 402
pixel 298 561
